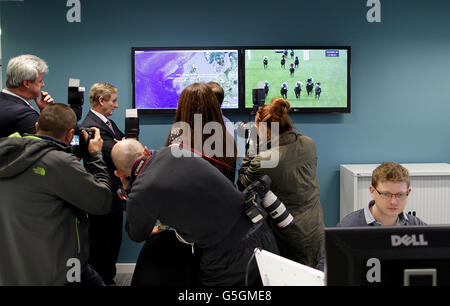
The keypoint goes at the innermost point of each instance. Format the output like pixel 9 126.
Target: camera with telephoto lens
pixel 258 193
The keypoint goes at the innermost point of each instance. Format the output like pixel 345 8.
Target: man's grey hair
pixel 24 67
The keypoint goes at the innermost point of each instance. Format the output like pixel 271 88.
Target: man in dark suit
pixel 24 81
pixel 105 231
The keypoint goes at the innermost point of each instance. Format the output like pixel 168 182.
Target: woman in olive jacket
pixel 294 181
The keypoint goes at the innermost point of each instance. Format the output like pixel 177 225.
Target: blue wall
pixel 400 67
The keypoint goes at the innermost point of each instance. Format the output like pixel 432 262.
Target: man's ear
pixel 146 151
pixel 36 125
pixel 120 174
pixel 26 84
pixel 372 190
pixel 69 136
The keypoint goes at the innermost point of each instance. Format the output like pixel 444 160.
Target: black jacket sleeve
pixel 139 224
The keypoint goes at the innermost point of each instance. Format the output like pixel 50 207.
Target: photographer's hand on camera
pixel 96 143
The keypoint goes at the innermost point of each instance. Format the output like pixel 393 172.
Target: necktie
pixel 108 123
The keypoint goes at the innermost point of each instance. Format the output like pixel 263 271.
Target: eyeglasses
pixel 388 195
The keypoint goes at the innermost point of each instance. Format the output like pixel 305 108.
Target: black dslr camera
pixel 248 130
pixel 79 145
pixel 258 193
pixel 131 123
pixel 258 98
pixel 75 98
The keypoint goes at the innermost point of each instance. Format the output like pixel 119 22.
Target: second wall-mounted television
pixel 312 79
pixel 161 74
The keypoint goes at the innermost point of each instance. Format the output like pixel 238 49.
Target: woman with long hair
pixel 294 181
pixel 198 108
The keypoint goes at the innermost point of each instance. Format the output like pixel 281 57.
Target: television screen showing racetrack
pixel 311 79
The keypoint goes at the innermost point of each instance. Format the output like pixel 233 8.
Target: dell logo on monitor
pixel 406 240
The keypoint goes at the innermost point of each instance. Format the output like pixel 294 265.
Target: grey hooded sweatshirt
pixel 46 194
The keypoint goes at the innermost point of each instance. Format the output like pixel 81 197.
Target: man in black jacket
pixel 24 81
pixel 192 197
pixel 105 231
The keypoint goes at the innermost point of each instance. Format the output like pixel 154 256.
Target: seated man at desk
pixel 390 189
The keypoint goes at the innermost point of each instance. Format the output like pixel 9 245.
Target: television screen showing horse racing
pixel 160 75
pixel 311 79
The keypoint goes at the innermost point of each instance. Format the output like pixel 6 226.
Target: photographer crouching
pixel 199 204
pixel 46 193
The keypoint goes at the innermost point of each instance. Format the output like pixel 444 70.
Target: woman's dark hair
pixel 198 98
pixel 218 91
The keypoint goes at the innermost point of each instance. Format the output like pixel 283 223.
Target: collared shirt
pixel 101 116
pixel 370 219
pixel 105 120
pixel 6 91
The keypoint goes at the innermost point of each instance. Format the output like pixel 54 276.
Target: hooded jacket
pixel 46 193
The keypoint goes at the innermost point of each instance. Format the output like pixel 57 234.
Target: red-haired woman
pixel 294 181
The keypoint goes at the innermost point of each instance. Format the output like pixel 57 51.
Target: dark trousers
pixel 89 278
pixel 105 237
pixel 231 262
pixel 165 261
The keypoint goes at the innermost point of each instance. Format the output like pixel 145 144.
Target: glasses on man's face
pixel 388 195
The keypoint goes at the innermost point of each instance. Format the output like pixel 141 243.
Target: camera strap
pixel 183 146
pixel 138 166
pixel 181 239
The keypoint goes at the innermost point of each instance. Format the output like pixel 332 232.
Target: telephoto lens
pixel 277 211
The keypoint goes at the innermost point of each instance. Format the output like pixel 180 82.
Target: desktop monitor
pixel 302 70
pixel 161 74
pixel 399 256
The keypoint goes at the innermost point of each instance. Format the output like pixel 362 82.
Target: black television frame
pixel 321 110
pixel 242 109
pixel 348 248
pixel 172 110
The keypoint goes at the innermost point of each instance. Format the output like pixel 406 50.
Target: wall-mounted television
pixel 161 74
pixel 312 79
pixel 322 74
